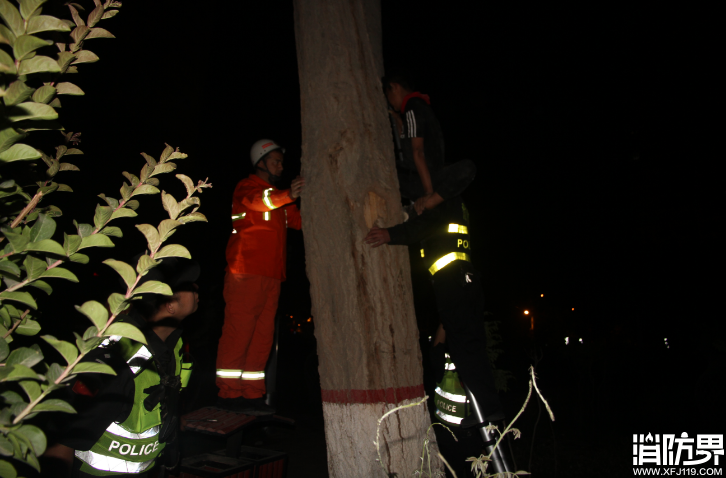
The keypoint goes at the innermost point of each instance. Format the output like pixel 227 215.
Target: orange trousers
pixel 247 334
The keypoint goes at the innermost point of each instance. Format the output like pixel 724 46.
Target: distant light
pixel 573 308
pixel 301 324
pixel 541 295
pixel 234 231
pixel 526 312
pixel 291 316
pixel 665 340
pixel 567 341
pixel 429 338
pixel 310 319
pixel 581 341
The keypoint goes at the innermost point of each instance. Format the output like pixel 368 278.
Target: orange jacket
pixel 259 229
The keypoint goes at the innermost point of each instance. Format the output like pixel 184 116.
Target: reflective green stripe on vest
pixel 132 445
pixel 447 259
pixel 450 398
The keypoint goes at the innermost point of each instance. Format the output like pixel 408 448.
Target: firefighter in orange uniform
pixel 256 255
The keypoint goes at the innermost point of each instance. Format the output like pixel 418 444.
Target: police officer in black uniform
pixel 446 250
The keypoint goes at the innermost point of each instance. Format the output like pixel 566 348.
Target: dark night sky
pixel 578 119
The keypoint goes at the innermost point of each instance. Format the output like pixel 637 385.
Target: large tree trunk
pixel 370 361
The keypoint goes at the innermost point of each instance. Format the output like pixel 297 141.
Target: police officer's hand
pixel 420 204
pixel 296 187
pixel 377 237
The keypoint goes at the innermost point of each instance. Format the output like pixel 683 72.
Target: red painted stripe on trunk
pixel 387 395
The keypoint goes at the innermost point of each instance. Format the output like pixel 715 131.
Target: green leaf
pixel 32 389
pixel 102 216
pixel 54 405
pixel 36 437
pixel 69 89
pixel 19 152
pixel 17 241
pixel 126 330
pixel 4 349
pixel 170 204
pixel 12 398
pixel 28 7
pixel 132 178
pixel 145 264
pixel 124 270
pixel 188 184
pixel 112 231
pixel 6 469
pixel 95 16
pixel 163 168
pixel 117 303
pixel 173 250
pixel 6 35
pixel 153 287
pixel 44 94
pixel 9 267
pixel 54 372
pixel 133 204
pixel 109 200
pixel 29 110
pixel 123 212
pixel 25 356
pixel 96 240
pixel 145 189
pixel 83 229
pixel 60 273
pixel 34 267
pixel 46 245
pixel 22 297
pixel 166 228
pixel 39 64
pixel 15 372
pixel 96 312
pixel 193 217
pixel 126 191
pixel 66 349
pixel 79 258
pixel 152 235
pixel 9 136
pixel 94 367
pixel 42 285
pixel 44 228
pixel 71 243
pixel 110 13
pixel 16 93
pixel 28 327
pixel 176 155
pixel 12 17
pixel 46 23
pixel 90 332
pixel 68 167
pixel 7 64
pixel 84 56
pixel 99 33
pixel 25 45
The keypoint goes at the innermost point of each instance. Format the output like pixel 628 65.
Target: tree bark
pixel 370 360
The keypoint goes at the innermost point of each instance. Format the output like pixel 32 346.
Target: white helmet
pixel 261 148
